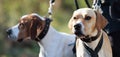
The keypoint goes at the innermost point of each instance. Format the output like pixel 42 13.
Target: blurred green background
pixel 12 10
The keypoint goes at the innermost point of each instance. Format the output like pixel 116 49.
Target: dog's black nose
pixel 9 31
pixel 77 27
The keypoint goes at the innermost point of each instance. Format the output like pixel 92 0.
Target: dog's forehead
pixel 85 11
pixel 24 16
pixel 31 15
pixel 35 14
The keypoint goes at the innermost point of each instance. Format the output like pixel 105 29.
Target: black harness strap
pixel 74 48
pixel 86 39
pixel 45 30
pixel 94 53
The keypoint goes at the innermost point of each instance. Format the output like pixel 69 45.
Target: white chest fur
pixel 56 44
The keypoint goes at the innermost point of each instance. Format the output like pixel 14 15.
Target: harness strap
pixel 74 48
pixel 94 53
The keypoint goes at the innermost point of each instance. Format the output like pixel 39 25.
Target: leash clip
pixel 51 3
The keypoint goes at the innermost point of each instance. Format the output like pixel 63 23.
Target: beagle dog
pixel 52 43
pixel 91 40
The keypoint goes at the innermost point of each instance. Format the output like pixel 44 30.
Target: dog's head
pixel 28 27
pixel 86 22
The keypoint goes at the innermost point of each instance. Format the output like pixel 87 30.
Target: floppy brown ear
pixel 33 29
pixel 101 21
pixel 35 24
pixel 70 24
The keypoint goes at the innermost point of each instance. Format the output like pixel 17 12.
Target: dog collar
pixel 45 30
pixel 90 39
pixel 94 53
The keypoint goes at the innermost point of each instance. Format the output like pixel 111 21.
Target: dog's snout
pixel 77 26
pixel 9 31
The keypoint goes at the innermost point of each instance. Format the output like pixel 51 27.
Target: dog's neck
pixel 55 43
pixel 94 43
pixel 49 43
pixel 81 49
pixel 49 37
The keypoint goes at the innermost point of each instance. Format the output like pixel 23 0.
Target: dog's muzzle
pixel 12 32
pixel 78 29
pixel 9 31
pixel 11 36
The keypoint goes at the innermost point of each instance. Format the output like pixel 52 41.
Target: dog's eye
pixel 21 26
pixel 74 17
pixel 87 18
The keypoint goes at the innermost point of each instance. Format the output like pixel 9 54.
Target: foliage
pixel 12 10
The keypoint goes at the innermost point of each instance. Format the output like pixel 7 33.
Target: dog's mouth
pixel 20 40
pixel 78 30
pixel 79 33
pixel 23 39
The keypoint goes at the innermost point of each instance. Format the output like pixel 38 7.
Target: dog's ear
pixel 101 21
pixel 35 26
pixel 70 24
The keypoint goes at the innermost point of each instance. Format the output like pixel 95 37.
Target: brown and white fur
pixel 90 23
pixel 54 44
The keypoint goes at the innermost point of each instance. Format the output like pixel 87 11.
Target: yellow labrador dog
pixel 91 40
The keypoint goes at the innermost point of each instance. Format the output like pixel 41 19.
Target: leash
pixel 86 1
pixel 47 20
pixel 76 4
pixel 94 53
pixel 97 5
pixel 50 12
